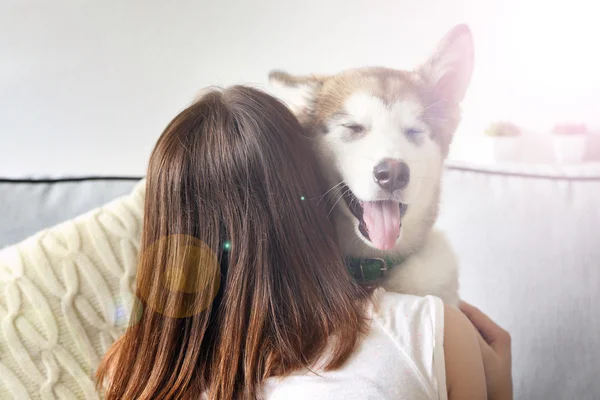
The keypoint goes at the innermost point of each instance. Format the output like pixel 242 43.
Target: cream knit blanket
pixel 65 296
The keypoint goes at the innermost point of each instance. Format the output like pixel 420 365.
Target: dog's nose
pixel 391 174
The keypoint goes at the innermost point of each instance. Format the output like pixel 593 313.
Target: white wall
pixel 87 86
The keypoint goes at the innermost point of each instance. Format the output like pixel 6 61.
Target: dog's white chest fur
pixel 431 270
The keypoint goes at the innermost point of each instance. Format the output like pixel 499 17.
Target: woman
pixel 243 291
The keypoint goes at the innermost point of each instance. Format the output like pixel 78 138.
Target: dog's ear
pixel 298 92
pixel 450 68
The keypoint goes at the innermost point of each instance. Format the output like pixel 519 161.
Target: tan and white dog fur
pixel 362 116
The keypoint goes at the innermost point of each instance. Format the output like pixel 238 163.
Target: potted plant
pixel 506 140
pixel 569 142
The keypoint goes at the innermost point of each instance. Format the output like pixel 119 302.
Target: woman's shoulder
pixel 416 325
pixel 406 307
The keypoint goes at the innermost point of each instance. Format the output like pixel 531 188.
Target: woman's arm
pixel 496 352
pixel 465 377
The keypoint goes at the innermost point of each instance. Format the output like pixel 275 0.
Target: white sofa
pixel 528 240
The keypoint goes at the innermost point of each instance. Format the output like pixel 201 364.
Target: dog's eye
pixel 412 132
pixel 355 128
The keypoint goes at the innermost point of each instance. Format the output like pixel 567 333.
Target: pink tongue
pixel 383 222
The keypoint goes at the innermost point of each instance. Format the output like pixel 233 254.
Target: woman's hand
pixel 496 353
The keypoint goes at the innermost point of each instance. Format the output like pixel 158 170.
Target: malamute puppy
pixel 382 136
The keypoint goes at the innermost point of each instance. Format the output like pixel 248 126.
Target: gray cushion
pixel 29 206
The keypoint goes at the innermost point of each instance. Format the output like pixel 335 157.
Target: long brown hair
pixel 239 276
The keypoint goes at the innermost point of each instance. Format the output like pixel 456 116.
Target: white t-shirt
pixel 401 357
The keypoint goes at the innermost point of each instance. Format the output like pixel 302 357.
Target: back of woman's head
pixel 239 275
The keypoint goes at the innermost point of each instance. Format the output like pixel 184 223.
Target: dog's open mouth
pixel 378 221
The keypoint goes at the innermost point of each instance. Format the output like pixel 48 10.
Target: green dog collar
pixel 370 269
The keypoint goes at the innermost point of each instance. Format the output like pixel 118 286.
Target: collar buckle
pixel 367 263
